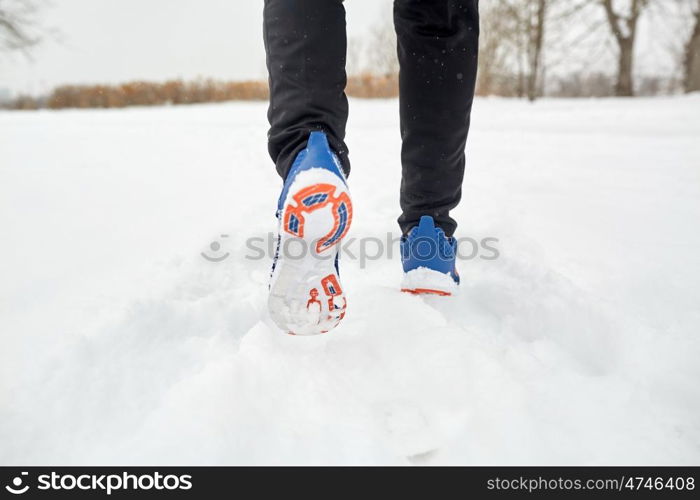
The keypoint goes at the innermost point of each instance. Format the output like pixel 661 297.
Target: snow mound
pixel 121 343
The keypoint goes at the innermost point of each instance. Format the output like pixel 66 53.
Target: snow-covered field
pixel 121 344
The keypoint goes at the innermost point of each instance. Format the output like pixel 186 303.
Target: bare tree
pixel 691 60
pixel 624 30
pixel 522 33
pixel 522 27
pixel 535 42
pixel 495 49
pixel 18 24
pixel 381 49
pixel 353 57
pixel 511 47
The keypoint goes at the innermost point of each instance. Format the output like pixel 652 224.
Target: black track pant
pixel 437 49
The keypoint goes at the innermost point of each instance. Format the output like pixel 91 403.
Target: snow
pixel 578 345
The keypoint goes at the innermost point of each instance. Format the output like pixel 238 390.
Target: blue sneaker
pixel 314 213
pixel 428 258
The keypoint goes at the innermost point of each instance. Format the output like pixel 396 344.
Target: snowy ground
pixel 578 345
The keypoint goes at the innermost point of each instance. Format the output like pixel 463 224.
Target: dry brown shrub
pixel 368 85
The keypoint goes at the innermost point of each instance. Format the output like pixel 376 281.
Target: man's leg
pixel 437 48
pixel 306 46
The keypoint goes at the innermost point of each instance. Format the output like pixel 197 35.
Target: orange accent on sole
pixel 426 291
pixel 298 211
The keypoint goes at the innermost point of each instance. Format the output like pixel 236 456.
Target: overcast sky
pixel 116 40
pixel 109 41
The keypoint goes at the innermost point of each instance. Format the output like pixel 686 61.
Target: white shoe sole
pixel 424 281
pixel 306 297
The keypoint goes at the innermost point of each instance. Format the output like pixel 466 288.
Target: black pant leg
pixel 306 44
pixel 437 48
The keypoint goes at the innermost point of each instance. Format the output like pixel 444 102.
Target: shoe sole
pixel 306 297
pixel 426 291
pixel 424 281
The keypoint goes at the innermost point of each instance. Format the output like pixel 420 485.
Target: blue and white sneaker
pixel 428 258
pixel 314 213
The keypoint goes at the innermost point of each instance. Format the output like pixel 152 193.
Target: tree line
pixel 528 48
pixel 143 93
pixel 573 48
pixel 557 26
